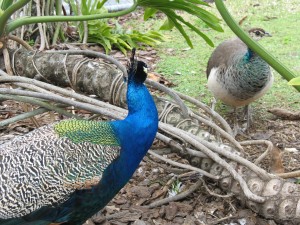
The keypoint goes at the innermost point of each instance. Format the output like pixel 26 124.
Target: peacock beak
pixel 145 69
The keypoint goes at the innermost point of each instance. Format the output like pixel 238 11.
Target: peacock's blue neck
pixel 137 131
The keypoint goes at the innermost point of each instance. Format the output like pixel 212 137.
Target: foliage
pixel 175 188
pixel 169 8
pixel 4 4
pixel 101 32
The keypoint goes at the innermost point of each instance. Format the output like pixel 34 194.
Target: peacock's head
pixel 137 70
pixel 258 33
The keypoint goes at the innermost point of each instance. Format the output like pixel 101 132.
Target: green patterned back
pixel 87 131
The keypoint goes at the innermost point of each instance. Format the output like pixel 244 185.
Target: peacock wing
pixel 45 166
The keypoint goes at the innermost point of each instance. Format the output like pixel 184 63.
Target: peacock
pixel 237 75
pixel 65 172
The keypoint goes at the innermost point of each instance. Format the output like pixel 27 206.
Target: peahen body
pixel 67 171
pixel 236 75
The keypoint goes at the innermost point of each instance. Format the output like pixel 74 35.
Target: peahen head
pixel 258 33
pixel 137 70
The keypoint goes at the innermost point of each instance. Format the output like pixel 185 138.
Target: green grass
pixel 186 67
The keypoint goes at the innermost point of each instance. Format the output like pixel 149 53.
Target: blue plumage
pixel 134 134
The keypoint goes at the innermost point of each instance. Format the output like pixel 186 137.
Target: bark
pixel 95 77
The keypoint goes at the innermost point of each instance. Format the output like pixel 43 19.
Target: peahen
pixel 238 76
pixel 66 172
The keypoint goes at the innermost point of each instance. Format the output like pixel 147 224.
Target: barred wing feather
pixel 45 166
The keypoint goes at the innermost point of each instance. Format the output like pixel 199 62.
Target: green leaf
pixel 295 81
pixel 199 2
pixel 193 7
pixel 5 4
pixel 168 25
pixel 182 31
pixel 149 12
pixel 84 8
pixel 155 35
pixel 207 40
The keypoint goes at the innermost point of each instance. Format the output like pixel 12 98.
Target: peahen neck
pixel 249 55
pixel 253 73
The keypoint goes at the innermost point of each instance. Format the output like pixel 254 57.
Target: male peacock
pixel 66 172
pixel 237 75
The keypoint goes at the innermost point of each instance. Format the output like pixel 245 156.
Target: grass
pixel 186 67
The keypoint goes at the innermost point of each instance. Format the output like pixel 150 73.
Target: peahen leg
pixel 213 103
pixel 211 130
pixel 248 115
pixel 236 127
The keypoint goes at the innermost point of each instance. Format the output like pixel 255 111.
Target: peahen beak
pixel 267 34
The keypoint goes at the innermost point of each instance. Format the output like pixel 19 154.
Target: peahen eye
pixel 257 33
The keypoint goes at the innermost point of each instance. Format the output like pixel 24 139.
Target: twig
pixel 40 26
pixel 171 162
pixel 22 116
pixel 85 25
pixel 259 142
pixel 20 41
pixel 63 100
pixel 173 94
pixel 6 78
pixel 212 146
pixel 213 193
pixel 211 112
pixel 189 174
pixel 39 103
pixel 289 175
pixel 218 129
pixel 180 196
pixel 222 220
pixel 285 114
pixel 7 61
pixel 116 215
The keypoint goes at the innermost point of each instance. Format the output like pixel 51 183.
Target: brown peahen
pixel 238 76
